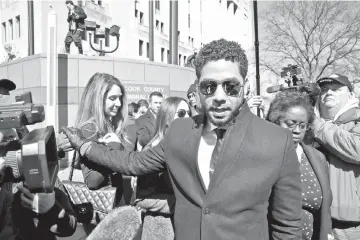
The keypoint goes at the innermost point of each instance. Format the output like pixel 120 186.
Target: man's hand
pixel 39 203
pixel 110 137
pixel 255 101
pixel 75 137
pixel 316 121
pixel 64 143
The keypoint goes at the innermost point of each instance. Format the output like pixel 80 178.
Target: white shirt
pixel 299 152
pixel 207 144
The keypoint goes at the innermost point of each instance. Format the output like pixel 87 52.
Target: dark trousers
pixel 73 36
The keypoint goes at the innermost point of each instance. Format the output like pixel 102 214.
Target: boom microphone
pixel 121 223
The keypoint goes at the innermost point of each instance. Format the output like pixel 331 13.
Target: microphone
pixel 276 88
pixel 121 223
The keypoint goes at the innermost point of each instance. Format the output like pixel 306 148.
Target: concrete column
pixel 151 30
pixel 30 5
pixel 174 41
pixel 52 72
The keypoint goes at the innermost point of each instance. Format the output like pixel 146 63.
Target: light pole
pixel 100 33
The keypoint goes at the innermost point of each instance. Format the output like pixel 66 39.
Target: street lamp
pixel 100 33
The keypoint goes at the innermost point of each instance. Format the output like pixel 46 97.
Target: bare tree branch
pixel 318 36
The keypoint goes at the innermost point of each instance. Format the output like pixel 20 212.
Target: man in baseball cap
pixel 337 130
pixel 335 78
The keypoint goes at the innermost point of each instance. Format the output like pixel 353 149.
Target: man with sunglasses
pixel 193 97
pixel 336 128
pixel 230 170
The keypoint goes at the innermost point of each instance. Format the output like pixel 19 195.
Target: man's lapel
pixel 192 142
pixel 151 117
pixel 233 141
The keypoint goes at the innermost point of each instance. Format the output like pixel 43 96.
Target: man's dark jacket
pixel 80 23
pixel 258 170
pixel 146 128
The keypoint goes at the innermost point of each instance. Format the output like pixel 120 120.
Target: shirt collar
pixel 209 126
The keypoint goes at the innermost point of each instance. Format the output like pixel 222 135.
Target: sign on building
pixel 135 92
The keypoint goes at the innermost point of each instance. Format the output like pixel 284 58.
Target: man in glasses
pixel 229 169
pixel 336 128
pixel 193 97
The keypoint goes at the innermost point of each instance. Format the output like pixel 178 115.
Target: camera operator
pixel 29 215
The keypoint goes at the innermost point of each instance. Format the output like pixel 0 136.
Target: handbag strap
pixel 72 166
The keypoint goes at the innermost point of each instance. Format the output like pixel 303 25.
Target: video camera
pixel 294 82
pixel 32 156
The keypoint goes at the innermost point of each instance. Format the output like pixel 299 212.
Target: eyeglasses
pixel 292 125
pixel 191 95
pixel 231 88
pixel 182 113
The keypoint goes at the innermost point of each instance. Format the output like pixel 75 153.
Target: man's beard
pixel 223 122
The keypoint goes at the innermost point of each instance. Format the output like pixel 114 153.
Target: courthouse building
pixel 199 21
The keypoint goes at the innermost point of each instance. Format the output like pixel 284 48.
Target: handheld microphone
pixel 121 223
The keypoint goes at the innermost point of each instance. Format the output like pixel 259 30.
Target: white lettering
pixel 132 89
pixel 153 89
pixel 34 171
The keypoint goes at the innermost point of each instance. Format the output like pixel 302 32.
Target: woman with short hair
pixel 293 110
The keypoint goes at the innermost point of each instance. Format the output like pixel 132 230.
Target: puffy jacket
pixel 339 140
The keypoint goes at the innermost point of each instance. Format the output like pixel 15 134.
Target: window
pixel 3 30
pixel 99 3
pixel 141 43
pixel 179 63
pixel 178 35
pixel 141 18
pixel 168 57
pixel 18 29
pixel 157 5
pixel 189 20
pixel 189 40
pixel 162 27
pixel 11 30
pixel 157 24
pixel 107 37
pixel 162 54
pixel 136 13
pixel 192 42
pixel 184 60
pixel 147 50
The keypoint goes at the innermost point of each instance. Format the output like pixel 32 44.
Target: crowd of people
pixel 207 167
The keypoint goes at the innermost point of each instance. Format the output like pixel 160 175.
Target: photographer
pixel 33 215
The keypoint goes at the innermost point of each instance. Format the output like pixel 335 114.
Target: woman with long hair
pixel 294 111
pixel 102 110
pixel 154 194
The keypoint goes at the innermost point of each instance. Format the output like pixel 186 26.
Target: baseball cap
pixel 7 84
pixel 344 80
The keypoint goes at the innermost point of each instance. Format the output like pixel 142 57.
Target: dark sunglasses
pixel 181 113
pixel 231 88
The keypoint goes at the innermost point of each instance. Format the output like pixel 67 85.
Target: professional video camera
pixel 294 82
pixel 36 163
